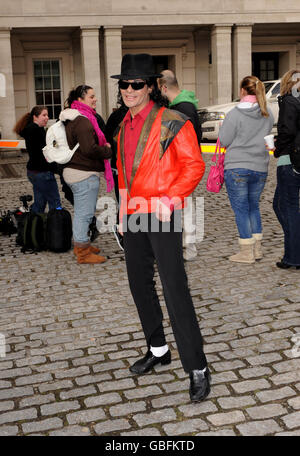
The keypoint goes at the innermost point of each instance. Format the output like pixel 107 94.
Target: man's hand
pixel 120 229
pixel 163 212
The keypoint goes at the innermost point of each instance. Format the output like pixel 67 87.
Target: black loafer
pixel 200 385
pixel 282 265
pixel 148 362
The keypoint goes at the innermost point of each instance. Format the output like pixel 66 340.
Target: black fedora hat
pixel 137 66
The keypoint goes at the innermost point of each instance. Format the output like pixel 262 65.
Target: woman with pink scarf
pixel 82 172
pixel 246 164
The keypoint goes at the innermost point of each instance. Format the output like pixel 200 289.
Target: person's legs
pixel 85 198
pixel 167 248
pixel 67 190
pixel 288 195
pixel 50 190
pixel 140 269
pixel 39 199
pixel 117 193
pixel 115 228
pixel 278 206
pixel 256 186
pixel 237 185
pixel 237 182
pixel 189 231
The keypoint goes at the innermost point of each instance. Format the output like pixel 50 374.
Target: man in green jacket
pixel 185 102
pixel 181 100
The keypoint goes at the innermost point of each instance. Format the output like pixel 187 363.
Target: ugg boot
pixel 84 255
pixel 246 253
pixel 190 252
pixel 257 246
pixel 92 249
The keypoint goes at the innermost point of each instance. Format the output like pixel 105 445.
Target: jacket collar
pixel 140 146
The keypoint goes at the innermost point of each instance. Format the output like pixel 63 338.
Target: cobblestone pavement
pixel 72 331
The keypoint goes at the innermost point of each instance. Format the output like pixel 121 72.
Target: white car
pixel 211 117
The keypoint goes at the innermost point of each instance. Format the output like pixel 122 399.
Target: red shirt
pixel 133 127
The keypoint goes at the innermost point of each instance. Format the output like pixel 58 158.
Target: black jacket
pixel 288 127
pixel 112 124
pixel 35 140
pixel 190 111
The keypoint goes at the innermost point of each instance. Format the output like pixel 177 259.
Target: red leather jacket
pixel 167 162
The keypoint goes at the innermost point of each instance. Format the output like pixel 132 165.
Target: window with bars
pixel 47 84
pixel 265 65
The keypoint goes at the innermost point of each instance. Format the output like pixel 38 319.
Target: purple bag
pixel 215 178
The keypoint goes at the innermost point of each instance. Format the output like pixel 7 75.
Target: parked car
pixel 211 117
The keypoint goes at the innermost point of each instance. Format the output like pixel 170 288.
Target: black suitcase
pixel 59 230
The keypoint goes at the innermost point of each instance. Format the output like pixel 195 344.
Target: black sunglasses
pixel 135 85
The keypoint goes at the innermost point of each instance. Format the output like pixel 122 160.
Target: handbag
pixel 215 178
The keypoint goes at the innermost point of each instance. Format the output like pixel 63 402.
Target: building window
pixel 47 84
pixel 265 65
pixel 161 62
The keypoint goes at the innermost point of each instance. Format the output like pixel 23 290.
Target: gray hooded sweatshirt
pixel 242 133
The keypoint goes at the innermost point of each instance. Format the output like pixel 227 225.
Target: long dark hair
pixel 79 92
pixel 28 118
pixel 155 95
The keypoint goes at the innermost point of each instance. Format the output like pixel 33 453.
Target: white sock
pixel 201 370
pixel 159 351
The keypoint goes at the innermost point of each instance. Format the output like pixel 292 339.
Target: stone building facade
pixel 47 47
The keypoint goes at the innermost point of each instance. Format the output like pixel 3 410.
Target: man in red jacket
pixel 159 164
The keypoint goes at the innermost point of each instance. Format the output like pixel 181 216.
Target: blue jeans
pixel 45 190
pixel 287 209
pixel 85 199
pixel 244 188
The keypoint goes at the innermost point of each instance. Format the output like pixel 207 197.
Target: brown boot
pixel 91 247
pixel 85 256
pixel 94 249
pixel 246 253
pixel 257 246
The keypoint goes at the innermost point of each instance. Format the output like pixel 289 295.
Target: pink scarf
pixel 249 98
pixel 88 112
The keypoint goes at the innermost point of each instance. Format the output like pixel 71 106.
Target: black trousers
pixel 142 248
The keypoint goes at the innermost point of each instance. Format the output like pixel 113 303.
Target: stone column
pixel 90 55
pixel 221 64
pixel 113 58
pixel 202 49
pixel 242 55
pixel 7 98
